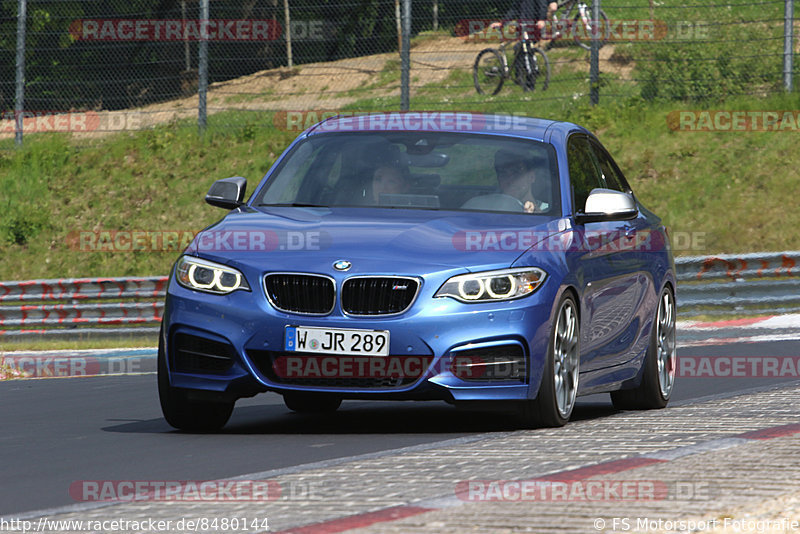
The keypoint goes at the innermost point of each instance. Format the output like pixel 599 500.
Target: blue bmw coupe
pixel 424 256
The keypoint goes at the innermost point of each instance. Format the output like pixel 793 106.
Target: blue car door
pixel 606 265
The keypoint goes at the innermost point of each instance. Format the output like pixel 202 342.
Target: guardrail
pixel 727 284
pixel 109 307
pixel 81 307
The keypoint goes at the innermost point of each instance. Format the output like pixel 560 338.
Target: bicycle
pixel 491 69
pixel 583 16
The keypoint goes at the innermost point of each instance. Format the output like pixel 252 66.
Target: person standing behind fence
pixel 527 11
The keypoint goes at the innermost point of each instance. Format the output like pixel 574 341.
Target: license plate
pixel 336 341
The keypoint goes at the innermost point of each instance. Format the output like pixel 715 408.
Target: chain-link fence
pixel 92 67
pixel 651 50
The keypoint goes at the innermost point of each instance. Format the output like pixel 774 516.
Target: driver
pixel 516 175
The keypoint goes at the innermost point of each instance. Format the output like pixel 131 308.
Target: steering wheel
pixel 495 202
pixel 515 200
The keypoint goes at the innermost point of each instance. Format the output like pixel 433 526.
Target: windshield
pixel 434 171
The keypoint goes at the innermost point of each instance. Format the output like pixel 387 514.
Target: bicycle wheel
pixel 539 71
pixel 583 32
pixel 488 73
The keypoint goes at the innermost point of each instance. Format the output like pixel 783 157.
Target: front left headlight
pixel 208 276
pixel 493 286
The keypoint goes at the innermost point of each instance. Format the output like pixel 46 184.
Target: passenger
pixel 388 179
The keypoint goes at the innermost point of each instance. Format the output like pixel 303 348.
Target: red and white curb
pixel 772 322
pixel 735 331
pixel 396 513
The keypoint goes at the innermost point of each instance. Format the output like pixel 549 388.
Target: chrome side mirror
pixel 607 205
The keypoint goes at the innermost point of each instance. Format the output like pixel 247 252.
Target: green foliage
pixel 64 72
pixel 152 180
pixel 156 180
pixel 20 227
pixel 727 54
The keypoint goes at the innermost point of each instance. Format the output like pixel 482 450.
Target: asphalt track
pixel 59 431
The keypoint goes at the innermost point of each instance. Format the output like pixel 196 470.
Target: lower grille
pixel 193 354
pixel 373 295
pixel 300 293
pixel 498 363
pixel 321 370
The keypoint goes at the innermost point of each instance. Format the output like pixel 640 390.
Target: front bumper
pixel 229 344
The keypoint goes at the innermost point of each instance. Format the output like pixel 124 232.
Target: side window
pixel 612 176
pixel 583 173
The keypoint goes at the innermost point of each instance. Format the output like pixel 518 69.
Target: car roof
pixel 441 121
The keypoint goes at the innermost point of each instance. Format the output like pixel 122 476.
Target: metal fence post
pixel 594 64
pixel 405 57
pixel 202 68
pixel 19 97
pixel 187 58
pixel 788 49
pixel 398 19
pixel 288 32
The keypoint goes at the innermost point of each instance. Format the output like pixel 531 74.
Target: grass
pixel 717 192
pixel 120 342
pixel 150 180
pixel 388 77
pixel 249 97
pixel 428 36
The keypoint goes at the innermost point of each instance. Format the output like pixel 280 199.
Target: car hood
pixel 372 239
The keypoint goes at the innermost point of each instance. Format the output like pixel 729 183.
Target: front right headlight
pixel 208 276
pixel 493 286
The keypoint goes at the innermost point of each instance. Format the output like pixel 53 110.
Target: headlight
pixel 204 275
pixel 493 285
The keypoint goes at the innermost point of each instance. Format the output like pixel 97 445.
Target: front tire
pixel 557 393
pixel 185 413
pixel 658 375
pixel 489 72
